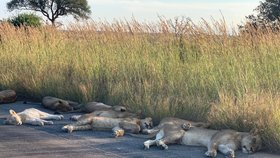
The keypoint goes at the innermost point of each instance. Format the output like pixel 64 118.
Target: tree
pixel 268 16
pixel 25 20
pixel 53 9
pixel 269 10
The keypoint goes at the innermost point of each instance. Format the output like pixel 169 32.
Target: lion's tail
pixel 149 136
pixel 71 128
pixel 68 112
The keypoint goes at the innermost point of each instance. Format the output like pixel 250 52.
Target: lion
pixel 106 113
pixel 131 125
pixel 58 105
pixel 225 141
pixel 96 106
pixel 8 96
pixel 31 116
pixel 171 126
pixel 174 121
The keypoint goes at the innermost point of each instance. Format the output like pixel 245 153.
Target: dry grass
pixel 167 68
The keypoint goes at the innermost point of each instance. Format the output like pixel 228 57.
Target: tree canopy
pixel 53 9
pixel 268 15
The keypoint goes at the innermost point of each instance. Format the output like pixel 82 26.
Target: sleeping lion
pixel 224 141
pixel 31 116
pixel 8 96
pixel 106 113
pixel 118 125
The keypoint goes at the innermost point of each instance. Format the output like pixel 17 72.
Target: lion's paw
pixel 230 154
pixel 117 132
pixel 212 153
pixel 74 117
pixel 41 123
pixel 146 146
pixel 68 128
pixel 164 147
pixel 162 144
pixel 61 117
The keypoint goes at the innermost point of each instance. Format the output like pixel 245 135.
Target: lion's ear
pixel 12 112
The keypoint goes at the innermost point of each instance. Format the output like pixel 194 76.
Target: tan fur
pixel 95 106
pixel 176 122
pixel 106 113
pixel 58 104
pixel 225 141
pixel 8 96
pixel 98 106
pixel 118 132
pixel 31 116
pixel 132 125
pixel 171 129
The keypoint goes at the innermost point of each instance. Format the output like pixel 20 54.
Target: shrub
pixel 26 19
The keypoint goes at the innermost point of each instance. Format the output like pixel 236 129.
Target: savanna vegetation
pixel 201 72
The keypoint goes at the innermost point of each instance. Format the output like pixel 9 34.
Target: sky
pixel 234 11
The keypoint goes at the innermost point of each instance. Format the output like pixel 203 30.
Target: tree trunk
pixel 53 22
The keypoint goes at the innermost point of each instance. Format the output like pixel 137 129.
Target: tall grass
pixel 166 68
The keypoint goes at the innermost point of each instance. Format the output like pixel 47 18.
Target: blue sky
pixel 234 11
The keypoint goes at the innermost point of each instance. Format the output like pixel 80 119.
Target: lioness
pixel 225 141
pixel 95 106
pixel 170 126
pixel 58 105
pixel 106 113
pixel 30 116
pixel 132 125
pixel 8 96
pixel 174 121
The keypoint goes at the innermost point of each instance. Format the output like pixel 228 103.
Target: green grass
pixel 230 81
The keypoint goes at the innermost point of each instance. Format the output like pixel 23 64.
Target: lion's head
pixel 251 143
pixel 13 119
pixel 63 106
pixel 146 123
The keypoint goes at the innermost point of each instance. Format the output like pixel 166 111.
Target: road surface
pixel 28 141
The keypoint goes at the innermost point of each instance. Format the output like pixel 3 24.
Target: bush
pixel 26 19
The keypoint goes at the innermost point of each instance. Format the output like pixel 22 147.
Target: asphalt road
pixel 50 141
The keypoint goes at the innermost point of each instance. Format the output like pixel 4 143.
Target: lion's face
pixel 63 106
pixel 13 119
pixel 146 123
pixel 251 143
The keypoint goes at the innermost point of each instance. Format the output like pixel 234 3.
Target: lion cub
pixel 31 116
